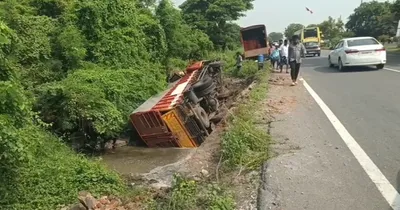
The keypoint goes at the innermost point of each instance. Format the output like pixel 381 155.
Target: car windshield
pixel 361 42
pixel 310 33
pixel 311 44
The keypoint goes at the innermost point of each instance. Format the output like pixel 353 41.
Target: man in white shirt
pixel 284 50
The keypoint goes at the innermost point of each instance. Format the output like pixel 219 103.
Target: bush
pixel 97 102
pixel 189 194
pixel 245 144
pixel 37 171
pixel 47 178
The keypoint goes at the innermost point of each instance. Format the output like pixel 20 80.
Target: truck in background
pixel 254 41
pixel 311 37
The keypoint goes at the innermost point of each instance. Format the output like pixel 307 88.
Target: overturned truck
pixel 182 115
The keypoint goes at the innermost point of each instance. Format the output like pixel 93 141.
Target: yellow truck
pixel 311 37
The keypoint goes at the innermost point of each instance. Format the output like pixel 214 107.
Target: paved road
pixel 393 60
pixel 367 102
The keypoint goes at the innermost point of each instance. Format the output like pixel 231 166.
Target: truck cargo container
pixel 254 41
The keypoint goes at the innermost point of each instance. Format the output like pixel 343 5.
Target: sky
pixel 276 17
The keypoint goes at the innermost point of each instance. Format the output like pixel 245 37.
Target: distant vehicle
pixel 312 48
pixel 254 41
pixel 312 39
pixel 358 51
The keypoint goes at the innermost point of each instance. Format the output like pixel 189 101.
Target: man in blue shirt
pixel 260 61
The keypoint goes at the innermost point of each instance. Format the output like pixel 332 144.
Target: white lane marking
pixel 387 190
pixel 395 70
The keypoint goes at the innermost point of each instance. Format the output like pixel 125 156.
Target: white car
pixel 358 51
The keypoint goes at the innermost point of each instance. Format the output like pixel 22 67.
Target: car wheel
pixel 330 62
pixel 341 67
pixel 319 54
pixel 380 66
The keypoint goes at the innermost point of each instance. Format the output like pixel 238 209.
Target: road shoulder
pixel 311 167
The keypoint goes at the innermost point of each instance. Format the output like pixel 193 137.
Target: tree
pixel 275 36
pixel 373 19
pixel 331 28
pixel 312 25
pixel 215 17
pixel 396 9
pixel 292 28
pixel 182 40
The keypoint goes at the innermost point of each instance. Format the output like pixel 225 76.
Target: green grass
pixel 245 144
pixel 189 194
pixel 52 175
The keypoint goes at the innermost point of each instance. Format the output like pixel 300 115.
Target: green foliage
pixel 395 9
pixel 47 178
pixel 215 18
pixel 275 36
pixel 383 38
pixel 183 195
pixel 74 70
pixel 292 28
pixel 373 19
pixel 332 28
pixel 113 37
pixel 38 171
pixel 189 194
pixel 183 42
pixel 96 102
pixel 245 144
pixel 377 19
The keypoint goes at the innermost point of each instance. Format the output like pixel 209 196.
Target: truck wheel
pixel 202 116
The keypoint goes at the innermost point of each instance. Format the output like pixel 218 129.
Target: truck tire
pixel 202 116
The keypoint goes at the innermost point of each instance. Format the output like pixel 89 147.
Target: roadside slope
pixel 313 168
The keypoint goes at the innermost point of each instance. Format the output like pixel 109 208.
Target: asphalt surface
pixel 323 173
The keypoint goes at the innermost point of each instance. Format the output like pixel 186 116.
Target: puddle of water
pixel 127 159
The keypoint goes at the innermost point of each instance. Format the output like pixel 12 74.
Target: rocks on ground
pixel 89 202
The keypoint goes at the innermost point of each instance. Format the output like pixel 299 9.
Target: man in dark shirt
pixel 297 51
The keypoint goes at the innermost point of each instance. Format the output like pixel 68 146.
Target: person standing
pixel 271 50
pixel 296 52
pixel 280 43
pixel 239 62
pixel 284 50
pixel 260 61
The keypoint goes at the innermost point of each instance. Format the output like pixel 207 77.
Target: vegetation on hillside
pixel 71 71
